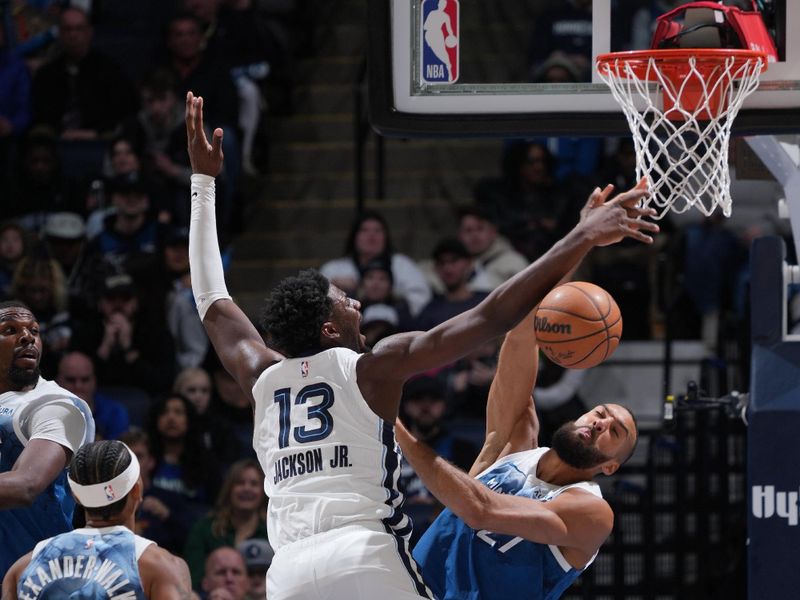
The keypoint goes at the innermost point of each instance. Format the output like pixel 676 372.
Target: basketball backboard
pixel 519 67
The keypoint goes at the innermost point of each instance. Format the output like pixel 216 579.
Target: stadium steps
pixel 304 208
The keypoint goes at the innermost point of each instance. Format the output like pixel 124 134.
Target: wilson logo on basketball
pixel 545 326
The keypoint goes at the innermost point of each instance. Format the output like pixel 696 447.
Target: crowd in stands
pixel 94 239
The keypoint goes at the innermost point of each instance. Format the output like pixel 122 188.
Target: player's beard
pixel 22 378
pixel 573 451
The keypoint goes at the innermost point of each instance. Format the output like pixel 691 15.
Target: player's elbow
pixel 26 494
pixel 478 511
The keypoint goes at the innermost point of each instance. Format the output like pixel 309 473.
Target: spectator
pixel 64 237
pixel 194 70
pixel 215 429
pixel 257 558
pixel 240 514
pixel 158 128
pixel 191 341
pixel 38 187
pixel 491 252
pixel 163 516
pixel 230 407
pixel 183 466
pixel 39 283
pixel 568 31
pixel 128 348
pixel 470 380
pixel 15 113
pixel 82 94
pixel 453 265
pixel 377 322
pixel 377 287
pixel 130 237
pixel 528 205
pixel 76 374
pixel 225 575
pixel 424 408
pixel 12 249
pixel 369 239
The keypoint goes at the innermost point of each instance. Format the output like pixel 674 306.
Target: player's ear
pixel 330 330
pixel 609 467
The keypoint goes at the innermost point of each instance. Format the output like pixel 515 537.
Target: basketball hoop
pixel 680 106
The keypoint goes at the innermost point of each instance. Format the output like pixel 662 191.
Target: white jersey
pixel 329 460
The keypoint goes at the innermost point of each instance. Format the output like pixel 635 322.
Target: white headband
pixel 103 494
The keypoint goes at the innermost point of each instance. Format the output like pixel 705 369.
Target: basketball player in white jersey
pixel 105 559
pixel 526 521
pixel 325 406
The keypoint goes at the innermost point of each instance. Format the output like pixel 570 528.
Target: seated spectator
pixel 216 431
pixel 183 465
pixel 76 374
pixel 185 326
pixel 39 282
pixel 163 516
pixel 377 322
pixel 240 514
pixel 129 348
pixel 377 287
pixel 15 112
pixel 38 186
pixel 81 94
pixel 493 255
pixel 159 129
pixel 257 558
pixel 453 265
pixel 64 237
pixel 528 205
pixel 226 572
pixel 424 409
pixel 230 406
pixel 12 250
pixel 130 236
pixel 470 379
pixel 369 239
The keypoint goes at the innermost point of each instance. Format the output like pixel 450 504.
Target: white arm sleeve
pixel 205 261
pixel 59 422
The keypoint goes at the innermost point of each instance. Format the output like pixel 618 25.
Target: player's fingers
pixel 190 114
pixel 605 193
pixel 641 211
pixel 630 198
pixel 199 120
pixel 642 224
pixel 634 233
pixel 216 142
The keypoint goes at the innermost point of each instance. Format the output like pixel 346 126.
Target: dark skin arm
pixel 11 579
pixel 164 575
pixel 577 521
pixel 382 372
pixel 238 344
pixel 39 464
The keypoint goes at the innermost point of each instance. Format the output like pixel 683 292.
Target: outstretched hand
pixel 609 221
pixel 205 158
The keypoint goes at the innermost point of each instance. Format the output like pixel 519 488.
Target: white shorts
pixel 355 562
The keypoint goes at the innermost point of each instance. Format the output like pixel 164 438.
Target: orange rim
pixel 677 60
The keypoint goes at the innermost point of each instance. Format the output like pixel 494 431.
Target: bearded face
pixel 576 450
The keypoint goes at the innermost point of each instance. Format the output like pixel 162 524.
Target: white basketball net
pixel 685 158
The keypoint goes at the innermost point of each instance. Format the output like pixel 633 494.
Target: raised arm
pixel 511 423
pixel 607 222
pixel 240 347
pixel 577 521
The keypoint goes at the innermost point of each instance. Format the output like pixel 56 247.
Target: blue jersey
pixel 85 564
pixel 51 512
pixel 460 563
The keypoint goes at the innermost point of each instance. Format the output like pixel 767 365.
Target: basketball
pixel 578 325
pixel 450 41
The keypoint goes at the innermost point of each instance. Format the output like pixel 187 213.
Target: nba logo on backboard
pixel 440 41
pixel 304 368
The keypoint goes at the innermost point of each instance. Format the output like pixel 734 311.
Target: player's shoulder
pixel 157 561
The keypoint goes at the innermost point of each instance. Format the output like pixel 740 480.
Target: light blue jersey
pixel 460 563
pixel 85 564
pixel 51 512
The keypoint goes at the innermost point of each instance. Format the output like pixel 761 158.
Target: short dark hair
pixel 477 212
pixel 452 246
pixel 15 304
pixel 295 311
pixel 99 462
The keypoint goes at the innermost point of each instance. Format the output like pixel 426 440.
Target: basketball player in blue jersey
pixel 325 406
pixel 105 559
pixel 41 426
pixel 526 520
